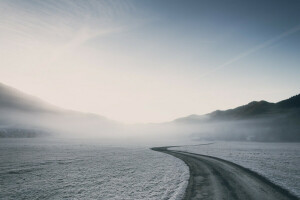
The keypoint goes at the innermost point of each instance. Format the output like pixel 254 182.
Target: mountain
pixel 27 116
pixel 293 102
pixel 256 121
pixel 14 100
pixel 253 109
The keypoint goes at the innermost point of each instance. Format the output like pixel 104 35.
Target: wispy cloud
pixel 254 49
pixel 58 27
pixel 60 21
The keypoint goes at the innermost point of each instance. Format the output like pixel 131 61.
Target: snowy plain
pixel 65 169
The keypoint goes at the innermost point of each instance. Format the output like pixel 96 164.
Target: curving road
pixel 215 179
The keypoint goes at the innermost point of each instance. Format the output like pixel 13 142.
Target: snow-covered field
pixel 52 169
pixel 279 162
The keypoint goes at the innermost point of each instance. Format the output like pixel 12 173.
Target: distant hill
pixel 20 111
pixel 13 99
pixel 256 121
pixel 293 102
pixel 253 109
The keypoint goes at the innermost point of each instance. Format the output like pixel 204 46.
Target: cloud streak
pixel 254 49
pixel 51 29
pixel 59 20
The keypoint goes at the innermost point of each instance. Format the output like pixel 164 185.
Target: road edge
pixel 188 191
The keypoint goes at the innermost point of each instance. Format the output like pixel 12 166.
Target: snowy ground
pixel 45 169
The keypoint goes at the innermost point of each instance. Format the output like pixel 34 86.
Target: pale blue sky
pixel 151 61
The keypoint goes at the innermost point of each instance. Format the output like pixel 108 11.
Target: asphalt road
pixel 215 179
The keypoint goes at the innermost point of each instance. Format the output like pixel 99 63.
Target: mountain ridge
pixel 24 113
pixel 253 109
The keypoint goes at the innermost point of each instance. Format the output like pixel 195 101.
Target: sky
pixel 144 61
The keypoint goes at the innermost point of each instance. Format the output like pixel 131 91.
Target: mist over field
pixel 26 116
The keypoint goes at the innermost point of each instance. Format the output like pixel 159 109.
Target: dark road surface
pixel 215 179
